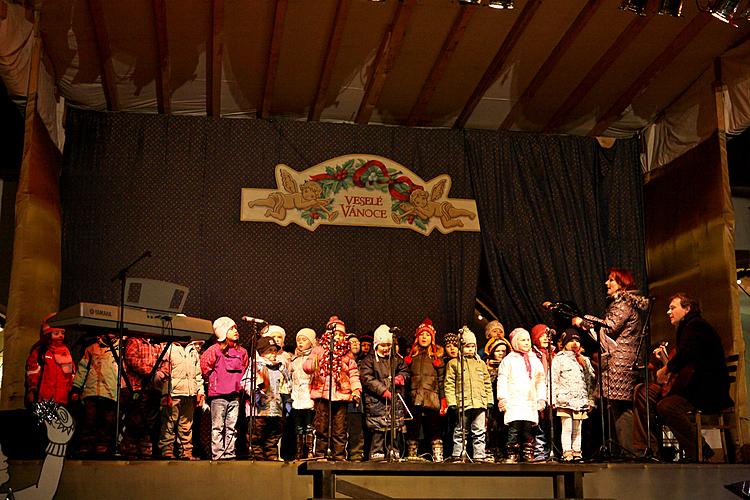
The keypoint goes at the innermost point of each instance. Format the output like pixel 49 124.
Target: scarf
pixel 340 349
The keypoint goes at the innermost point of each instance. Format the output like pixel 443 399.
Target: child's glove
pixel 387 395
pixel 286 400
pixel 443 406
pixel 399 380
pixel 501 404
pixel 75 394
pixel 541 404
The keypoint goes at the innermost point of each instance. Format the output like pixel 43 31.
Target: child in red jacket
pixel 49 367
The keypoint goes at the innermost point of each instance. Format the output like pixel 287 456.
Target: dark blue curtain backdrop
pixel 171 184
pixel 555 213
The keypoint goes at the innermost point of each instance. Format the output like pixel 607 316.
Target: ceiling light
pixel 470 2
pixel 637 6
pixel 501 4
pixel 671 7
pixel 725 10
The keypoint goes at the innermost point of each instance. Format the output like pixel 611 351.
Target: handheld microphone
pixel 551 332
pixel 250 319
pixel 552 306
pixel 395 329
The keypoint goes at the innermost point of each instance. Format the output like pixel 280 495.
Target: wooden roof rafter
pixel 332 51
pixel 274 51
pixel 439 67
pixel 390 46
pixel 683 38
pixel 567 40
pixel 104 51
pixel 214 55
pixel 163 72
pixel 498 62
pixel 618 47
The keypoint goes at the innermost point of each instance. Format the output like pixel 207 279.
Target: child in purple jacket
pixel 223 365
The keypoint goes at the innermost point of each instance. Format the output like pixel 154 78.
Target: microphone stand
pixel 253 385
pixel 464 456
pixel 648 453
pixel 331 347
pixel 392 453
pixel 122 275
pixel 550 411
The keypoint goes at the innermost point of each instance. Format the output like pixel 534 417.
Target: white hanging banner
pixel 360 190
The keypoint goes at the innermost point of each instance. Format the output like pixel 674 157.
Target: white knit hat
pixel 308 333
pixel 516 334
pixel 382 335
pixel 269 330
pixel 222 326
pixel 468 336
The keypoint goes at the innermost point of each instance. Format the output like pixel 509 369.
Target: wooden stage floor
pixel 98 480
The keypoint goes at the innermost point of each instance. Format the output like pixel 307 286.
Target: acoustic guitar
pixel 676 381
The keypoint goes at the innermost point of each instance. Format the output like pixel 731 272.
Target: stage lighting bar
pixel 501 4
pixel 729 11
pixel 637 6
pixel 671 7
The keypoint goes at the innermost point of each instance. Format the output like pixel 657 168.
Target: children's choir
pixel 341 396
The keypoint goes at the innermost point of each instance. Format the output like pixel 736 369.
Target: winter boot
pixel 437 451
pixel 300 452
pixel 513 450
pixel 316 448
pixel 528 452
pixel 412 448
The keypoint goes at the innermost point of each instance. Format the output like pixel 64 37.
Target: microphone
pixel 551 332
pixel 250 319
pixel 552 306
pixel 395 329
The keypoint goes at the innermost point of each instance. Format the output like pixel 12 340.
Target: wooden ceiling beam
pixel 163 73
pixel 214 54
pixel 332 51
pixel 613 53
pixel 272 66
pixel 390 46
pixel 567 40
pixel 104 51
pixel 498 62
pixel 661 61
pixel 439 67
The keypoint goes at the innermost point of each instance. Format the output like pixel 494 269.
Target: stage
pixel 97 480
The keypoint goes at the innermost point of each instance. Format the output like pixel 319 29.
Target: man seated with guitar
pixel 694 377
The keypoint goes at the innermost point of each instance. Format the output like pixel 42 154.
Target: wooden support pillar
pixel 36 268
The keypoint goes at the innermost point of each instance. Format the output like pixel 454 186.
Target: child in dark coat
pixel 375 372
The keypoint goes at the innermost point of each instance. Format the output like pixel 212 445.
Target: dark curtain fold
pixel 556 212
pixel 172 184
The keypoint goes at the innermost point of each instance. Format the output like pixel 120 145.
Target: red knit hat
pixel 432 349
pixel 336 323
pixel 537 332
pixel 45 332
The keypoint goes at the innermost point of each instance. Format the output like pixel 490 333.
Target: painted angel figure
pixel 426 207
pixel 302 198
